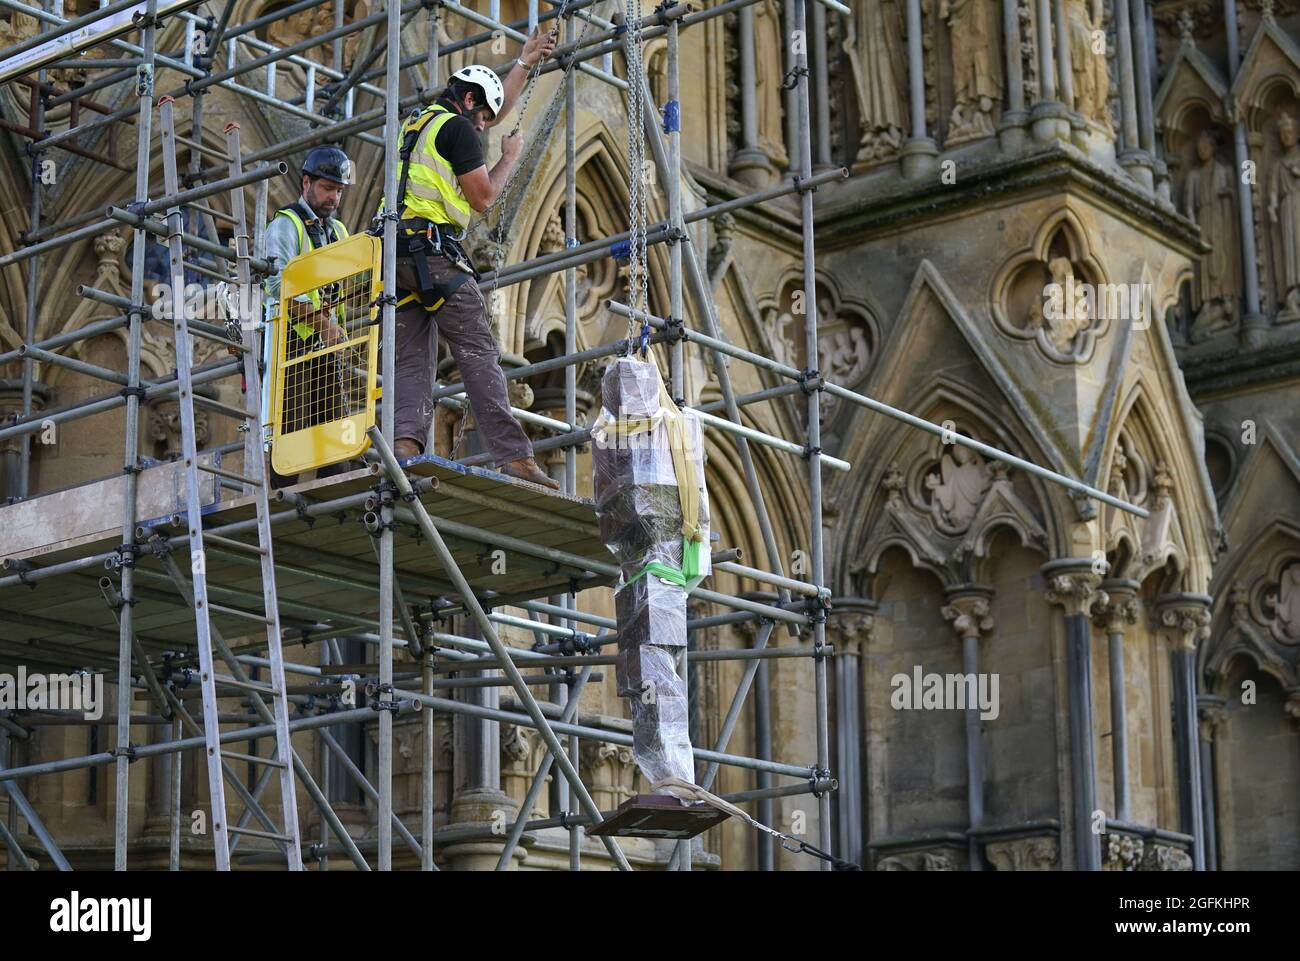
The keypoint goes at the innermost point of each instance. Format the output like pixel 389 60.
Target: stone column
pixel 478 797
pixel 750 164
pixel 918 153
pixel 1074 586
pixel 1048 114
pixel 11 406
pixel 821 91
pixel 1210 710
pixel 1065 64
pixel 1011 132
pixel 1121 609
pixel 1145 110
pixel 1131 157
pixel 850 625
pixel 1253 322
pixel 1185 618
pixel 968 610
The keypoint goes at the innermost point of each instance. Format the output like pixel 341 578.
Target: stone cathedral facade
pixel 1070 230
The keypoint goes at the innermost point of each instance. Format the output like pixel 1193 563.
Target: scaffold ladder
pixel 254 481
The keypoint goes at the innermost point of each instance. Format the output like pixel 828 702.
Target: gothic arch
pixel 1146 468
pixel 891 508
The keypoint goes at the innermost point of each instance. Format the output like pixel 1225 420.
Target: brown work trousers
pixel 463 321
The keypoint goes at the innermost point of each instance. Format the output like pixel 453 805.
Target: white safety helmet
pixel 486 79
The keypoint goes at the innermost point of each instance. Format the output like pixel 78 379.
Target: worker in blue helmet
pixel 308 223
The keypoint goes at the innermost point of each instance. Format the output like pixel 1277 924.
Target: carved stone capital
pixel 516 745
pixel 918 861
pixel 851 622
pixel 165 426
pixel 1024 854
pixel 1211 716
pixel 1292 704
pixel 1077 591
pixel 1165 857
pixel 969 615
pixel 1121 852
pixel 1186 620
pixel 1116 607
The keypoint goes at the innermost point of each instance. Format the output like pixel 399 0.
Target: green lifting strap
pixel 680 576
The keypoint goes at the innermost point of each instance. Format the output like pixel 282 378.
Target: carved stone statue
pixel 974 32
pixel 1286 609
pixel 1065 315
pixel 875 47
pixel 769 72
pixel 958 488
pixel 846 354
pixel 295 28
pixel 1208 197
pixel 16 27
pixel 1087 64
pixel 1284 215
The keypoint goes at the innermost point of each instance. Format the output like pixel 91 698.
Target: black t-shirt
pixel 458 141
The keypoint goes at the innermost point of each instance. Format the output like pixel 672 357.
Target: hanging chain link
pixel 638 275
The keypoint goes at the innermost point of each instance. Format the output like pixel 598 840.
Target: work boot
pixel 404 449
pixel 526 469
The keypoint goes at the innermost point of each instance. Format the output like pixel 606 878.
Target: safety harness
pixel 311 234
pixel 419 237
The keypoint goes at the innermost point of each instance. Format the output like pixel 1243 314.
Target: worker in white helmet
pixel 443 179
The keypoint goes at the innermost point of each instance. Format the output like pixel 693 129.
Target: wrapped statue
pixel 652 507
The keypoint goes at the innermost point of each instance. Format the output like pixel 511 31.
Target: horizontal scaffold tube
pixel 152 389
pixel 594 734
pixel 864 401
pixel 188 744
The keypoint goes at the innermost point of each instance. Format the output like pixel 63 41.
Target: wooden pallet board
pixel 77 619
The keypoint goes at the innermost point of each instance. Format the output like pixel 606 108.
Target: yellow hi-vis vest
pixel 302 328
pixel 432 190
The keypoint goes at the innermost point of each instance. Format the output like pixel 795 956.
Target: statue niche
pixel 1050 295
pixel 875 48
pixel 974 36
pixel 1088 65
pixel 1283 196
pixel 1209 198
pixel 769 73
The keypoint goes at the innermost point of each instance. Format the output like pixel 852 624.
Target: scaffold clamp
pixel 810 380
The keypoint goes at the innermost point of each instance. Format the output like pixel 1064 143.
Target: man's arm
pixel 481 187
pixel 538 47
pixel 282 244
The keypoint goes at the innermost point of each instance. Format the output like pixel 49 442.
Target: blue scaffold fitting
pixel 643 343
pixel 570 242
pixel 621 250
pixel 672 116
